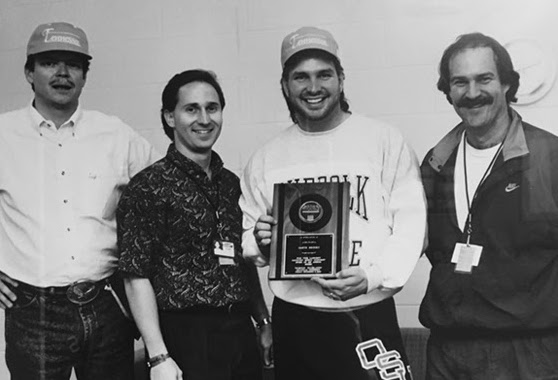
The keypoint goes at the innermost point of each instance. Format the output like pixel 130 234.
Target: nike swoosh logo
pixel 511 187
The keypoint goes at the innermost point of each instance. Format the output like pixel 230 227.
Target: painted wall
pixel 389 49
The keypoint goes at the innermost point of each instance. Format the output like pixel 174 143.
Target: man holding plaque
pixel 342 326
pixel 492 193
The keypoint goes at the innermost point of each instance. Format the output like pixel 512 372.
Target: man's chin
pixel 312 114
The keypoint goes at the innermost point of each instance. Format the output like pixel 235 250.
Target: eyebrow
pixel 199 105
pixel 476 76
pixel 328 70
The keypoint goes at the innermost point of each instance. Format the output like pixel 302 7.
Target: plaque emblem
pixel 310 212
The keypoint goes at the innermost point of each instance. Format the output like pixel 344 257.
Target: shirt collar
pixel 191 168
pixel 514 145
pixel 38 121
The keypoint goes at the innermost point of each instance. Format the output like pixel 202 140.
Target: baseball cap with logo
pixel 308 37
pixel 58 36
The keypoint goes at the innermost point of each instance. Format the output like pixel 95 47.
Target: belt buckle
pixel 83 292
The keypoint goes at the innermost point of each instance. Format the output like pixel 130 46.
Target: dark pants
pixel 470 357
pixel 312 345
pixel 47 336
pixel 212 345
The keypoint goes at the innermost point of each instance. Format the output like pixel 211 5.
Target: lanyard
pixel 214 206
pixel 468 224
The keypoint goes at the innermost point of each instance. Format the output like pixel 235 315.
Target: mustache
pixel 62 82
pixel 475 102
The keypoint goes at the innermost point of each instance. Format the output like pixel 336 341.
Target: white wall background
pixel 389 49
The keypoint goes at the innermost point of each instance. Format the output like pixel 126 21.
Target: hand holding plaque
pixel 311 237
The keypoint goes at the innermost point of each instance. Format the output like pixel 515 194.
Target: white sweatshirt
pixel 388 210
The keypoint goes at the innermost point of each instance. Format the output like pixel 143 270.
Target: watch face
pixel 536 69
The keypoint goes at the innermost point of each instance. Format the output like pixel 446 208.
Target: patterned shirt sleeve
pixel 140 226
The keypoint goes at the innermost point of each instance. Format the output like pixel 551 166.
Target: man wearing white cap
pixel 342 328
pixel 62 172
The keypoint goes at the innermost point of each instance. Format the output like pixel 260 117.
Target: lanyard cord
pixel 469 226
pixel 215 207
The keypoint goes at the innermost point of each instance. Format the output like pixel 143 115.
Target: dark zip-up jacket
pixel 515 220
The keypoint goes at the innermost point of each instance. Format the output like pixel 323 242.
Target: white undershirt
pixel 478 161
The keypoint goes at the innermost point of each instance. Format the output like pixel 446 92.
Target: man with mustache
pixel 342 328
pixel 61 174
pixel 492 192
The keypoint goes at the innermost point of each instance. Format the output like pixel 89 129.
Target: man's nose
pixel 62 69
pixel 314 85
pixel 473 90
pixel 203 117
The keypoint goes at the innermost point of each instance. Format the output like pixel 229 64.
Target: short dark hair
pixel 504 65
pixel 170 92
pixel 293 61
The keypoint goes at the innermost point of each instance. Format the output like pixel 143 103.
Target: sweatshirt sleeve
pixel 253 203
pixel 406 211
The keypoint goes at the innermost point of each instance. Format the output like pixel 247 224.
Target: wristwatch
pixel 156 360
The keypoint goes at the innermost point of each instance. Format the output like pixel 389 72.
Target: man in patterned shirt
pixel 190 291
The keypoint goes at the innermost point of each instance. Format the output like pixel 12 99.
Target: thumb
pixel 345 273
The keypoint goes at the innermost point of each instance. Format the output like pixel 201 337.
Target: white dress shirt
pixel 59 189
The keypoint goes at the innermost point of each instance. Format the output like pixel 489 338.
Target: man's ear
pixel 285 87
pixel 29 75
pixel 169 118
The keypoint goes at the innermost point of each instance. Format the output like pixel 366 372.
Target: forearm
pixel 259 308
pixel 143 305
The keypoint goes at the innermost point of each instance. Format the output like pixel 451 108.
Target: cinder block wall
pixel 389 48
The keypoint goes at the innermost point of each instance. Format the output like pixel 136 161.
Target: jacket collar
pixel 515 144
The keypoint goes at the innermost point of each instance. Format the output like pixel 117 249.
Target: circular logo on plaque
pixel 310 212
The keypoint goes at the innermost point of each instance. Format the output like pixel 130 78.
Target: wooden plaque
pixel 311 236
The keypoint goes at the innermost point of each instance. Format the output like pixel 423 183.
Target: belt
pixel 243 307
pixel 79 293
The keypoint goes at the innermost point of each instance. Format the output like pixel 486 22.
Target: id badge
pixel 224 250
pixel 465 257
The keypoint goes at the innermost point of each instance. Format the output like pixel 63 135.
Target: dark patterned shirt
pixel 167 225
